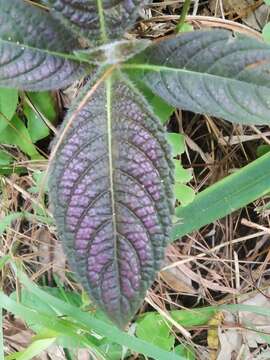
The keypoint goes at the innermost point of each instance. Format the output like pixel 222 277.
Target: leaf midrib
pixel 45 51
pixel 110 160
pixel 158 68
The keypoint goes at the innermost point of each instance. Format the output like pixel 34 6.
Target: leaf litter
pixel 210 274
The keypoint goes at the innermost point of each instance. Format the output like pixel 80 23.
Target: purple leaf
pixel 214 72
pixel 110 187
pixel 98 22
pixel 35 49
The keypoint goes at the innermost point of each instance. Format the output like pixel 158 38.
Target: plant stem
pixel 184 13
pixel 103 34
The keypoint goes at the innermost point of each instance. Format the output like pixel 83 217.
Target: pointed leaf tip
pixel 111 191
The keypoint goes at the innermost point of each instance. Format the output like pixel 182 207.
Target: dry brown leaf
pixel 255 320
pixel 54 352
pixel 17 336
pixel 177 280
pixel 240 341
pixel 204 282
pixel 174 277
pixel 50 252
pixel 239 7
pixel 231 342
pixel 257 18
pixel 83 354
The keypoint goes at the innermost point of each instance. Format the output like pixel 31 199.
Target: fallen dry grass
pixel 224 262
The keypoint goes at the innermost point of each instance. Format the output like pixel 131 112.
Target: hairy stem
pixel 103 34
pixel 183 16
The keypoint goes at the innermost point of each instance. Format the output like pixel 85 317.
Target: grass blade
pixel 86 320
pixel 34 349
pixel 224 197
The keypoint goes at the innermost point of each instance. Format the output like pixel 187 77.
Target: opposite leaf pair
pixel 111 178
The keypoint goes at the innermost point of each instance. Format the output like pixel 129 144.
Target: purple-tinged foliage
pixel 84 17
pixel 34 49
pixel 212 72
pixel 110 187
pixel 110 182
pixel 111 179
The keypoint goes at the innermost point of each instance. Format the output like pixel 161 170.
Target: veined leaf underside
pixel 111 193
pixel 98 20
pixel 34 54
pixel 212 72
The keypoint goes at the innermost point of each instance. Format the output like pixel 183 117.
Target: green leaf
pixel 187 318
pixel 224 197
pixel 262 150
pixel 36 54
pixel 181 175
pixel 112 351
pixel 40 183
pixel 6 221
pixel 193 317
pixel 211 72
pixel 5 158
pixel 17 134
pixel 8 105
pixel 184 193
pixel 51 323
pixel 155 331
pixel 266 33
pixel 3 261
pixel 85 320
pixel 185 351
pixel 13 169
pixel 35 125
pixel 177 142
pixel 45 103
pixel 31 301
pixel 161 109
pixel 35 349
pixel 110 187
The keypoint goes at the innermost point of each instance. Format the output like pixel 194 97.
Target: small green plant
pixel 112 173
pixel 25 118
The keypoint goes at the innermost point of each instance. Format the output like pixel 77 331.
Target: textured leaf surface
pixel 110 187
pixel 211 72
pixel 34 49
pixel 98 20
